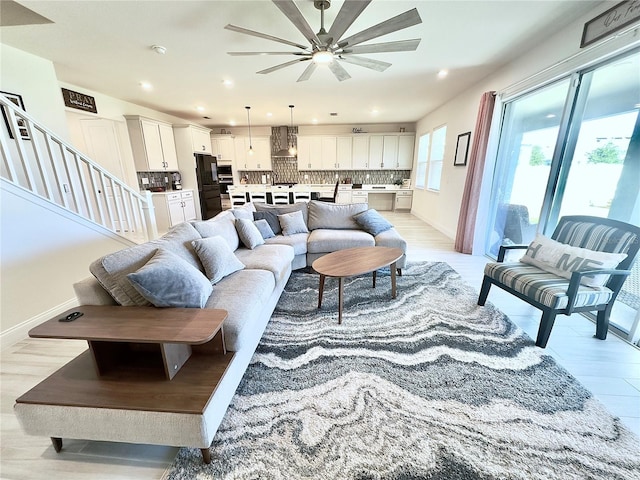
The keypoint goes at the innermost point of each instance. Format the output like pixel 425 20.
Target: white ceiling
pixel 105 46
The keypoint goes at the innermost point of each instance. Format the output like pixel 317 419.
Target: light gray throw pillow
pixel 292 223
pixel 335 216
pixel 264 228
pixel 372 222
pixel 167 280
pixel 217 258
pixel 248 233
pixel 244 211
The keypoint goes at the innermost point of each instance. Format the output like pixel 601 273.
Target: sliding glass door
pixel 571 148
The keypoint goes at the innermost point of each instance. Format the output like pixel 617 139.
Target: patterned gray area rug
pixel 427 386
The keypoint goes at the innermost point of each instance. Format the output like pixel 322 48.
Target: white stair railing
pixel 34 159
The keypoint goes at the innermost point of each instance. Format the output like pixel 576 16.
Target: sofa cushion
pixel 334 215
pixel 231 293
pixel 562 259
pixel 249 234
pixel 223 224
pixel 271 218
pixel 298 241
pixel 547 288
pixel 281 209
pixel 217 258
pixel 263 227
pixel 372 222
pixel 273 258
pixel 292 223
pixel 112 269
pixel 167 280
pixel 326 240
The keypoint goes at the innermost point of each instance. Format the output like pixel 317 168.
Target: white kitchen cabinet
pixel 406 144
pixel 404 199
pixel 344 153
pixel 389 152
pixel 261 158
pixel 360 152
pixel 359 196
pixel 309 153
pixel 172 208
pixel 376 151
pixel 152 144
pixel 198 138
pixel 223 148
pixel 344 194
pixel 328 153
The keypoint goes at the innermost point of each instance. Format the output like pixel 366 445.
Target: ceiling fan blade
pixel 404 20
pixel 400 46
pixel 348 13
pixel 294 15
pixel 366 62
pixel 283 65
pixel 242 54
pixel 253 33
pixel 340 73
pixel 307 72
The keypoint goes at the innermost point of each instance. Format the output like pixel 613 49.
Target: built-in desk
pixel 383 197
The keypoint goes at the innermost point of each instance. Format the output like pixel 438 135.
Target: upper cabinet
pixel 260 160
pixel 152 143
pixel 223 148
pixel 391 151
pixel 198 138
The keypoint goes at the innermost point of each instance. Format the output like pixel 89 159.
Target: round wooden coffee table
pixel 352 262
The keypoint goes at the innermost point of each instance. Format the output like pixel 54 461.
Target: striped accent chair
pixel 554 294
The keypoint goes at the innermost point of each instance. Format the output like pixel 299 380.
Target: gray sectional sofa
pixel 307 231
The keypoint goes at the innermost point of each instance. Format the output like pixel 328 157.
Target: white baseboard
pixel 440 228
pixel 21 331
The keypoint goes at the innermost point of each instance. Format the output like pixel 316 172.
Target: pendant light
pixel 249 123
pixel 292 148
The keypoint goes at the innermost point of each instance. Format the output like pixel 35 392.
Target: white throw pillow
pixel 563 260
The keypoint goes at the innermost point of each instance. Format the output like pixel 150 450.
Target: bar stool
pixel 237 197
pixel 279 195
pixel 301 195
pixel 258 196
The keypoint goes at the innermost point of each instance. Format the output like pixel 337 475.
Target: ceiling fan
pixel 328 47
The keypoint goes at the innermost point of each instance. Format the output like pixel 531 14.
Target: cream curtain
pixel 471 194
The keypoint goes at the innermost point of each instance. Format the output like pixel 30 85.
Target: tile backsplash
pixel 286 171
pixel 156 179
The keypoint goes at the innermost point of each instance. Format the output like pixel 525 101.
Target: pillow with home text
pixel 563 260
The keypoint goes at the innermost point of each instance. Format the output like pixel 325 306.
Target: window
pixel 423 152
pixel 436 156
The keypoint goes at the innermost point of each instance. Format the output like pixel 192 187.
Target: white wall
pixel 44 251
pixel 441 209
pixel 34 78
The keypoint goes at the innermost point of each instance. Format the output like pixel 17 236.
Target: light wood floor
pixel 610 369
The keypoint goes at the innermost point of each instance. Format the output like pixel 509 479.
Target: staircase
pixel 35 160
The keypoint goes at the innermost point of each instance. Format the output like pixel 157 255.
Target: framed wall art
pixel 22 127
pixel 462 149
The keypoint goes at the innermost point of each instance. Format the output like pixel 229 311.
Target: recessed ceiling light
pixel 443 73
pixel 200 109
pixel 227 83
pixel 269 114
pixel 314 120
pixel 159 49
pixel 374 111
pixel 551 115
pixel 232 123
pixel 146 86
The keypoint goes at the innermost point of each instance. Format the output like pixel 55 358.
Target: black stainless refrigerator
pixel 208 185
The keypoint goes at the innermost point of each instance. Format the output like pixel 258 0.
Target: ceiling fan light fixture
pixel 322 57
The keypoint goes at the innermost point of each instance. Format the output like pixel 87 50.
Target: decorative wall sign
pixel 79 100
pixel 612 20
pixel 22 126
pixel 462 149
